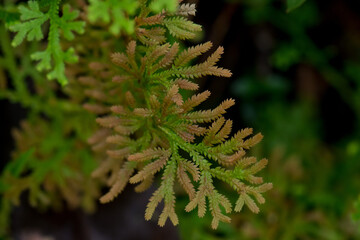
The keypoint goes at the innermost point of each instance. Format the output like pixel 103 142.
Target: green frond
pixel 160 5
pixel 114 12
pixel 68 25
pixel 31 21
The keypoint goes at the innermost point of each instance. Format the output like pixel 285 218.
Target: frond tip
pixel 166 193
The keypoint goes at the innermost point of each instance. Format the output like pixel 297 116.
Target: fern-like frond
pixel 114 12
pixel 195 100
pixel 181 28
pixel 120 183
pixel 150 169
pixel 186 84
pixel 185 181
pixel 191 53
pixel 203 69
pixel 209 115
pixel 165 192
pixel 31 21
pixel 148 154
pixel 154 128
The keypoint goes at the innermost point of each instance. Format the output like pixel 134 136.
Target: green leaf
pixel 32 12
pixel 32 19
pixel 45 60
pixel 54 57
pixel 158 5
pixel 293 4
pixel 58 73
pixel 121 22
pixel 114 11
pixel 98 10
pixel 68 25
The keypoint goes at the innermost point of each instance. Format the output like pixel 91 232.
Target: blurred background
pixel 296 79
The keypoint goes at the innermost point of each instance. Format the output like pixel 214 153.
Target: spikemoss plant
pixel 146 127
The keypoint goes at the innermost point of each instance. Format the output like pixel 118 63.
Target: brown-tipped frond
pixel 195 100
pixel 150 169
pixel 181 28
pixel 186 84
pixel 152 20
pixel 189 54
pixel 120 183
pixel 209 115
pixel 148 154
